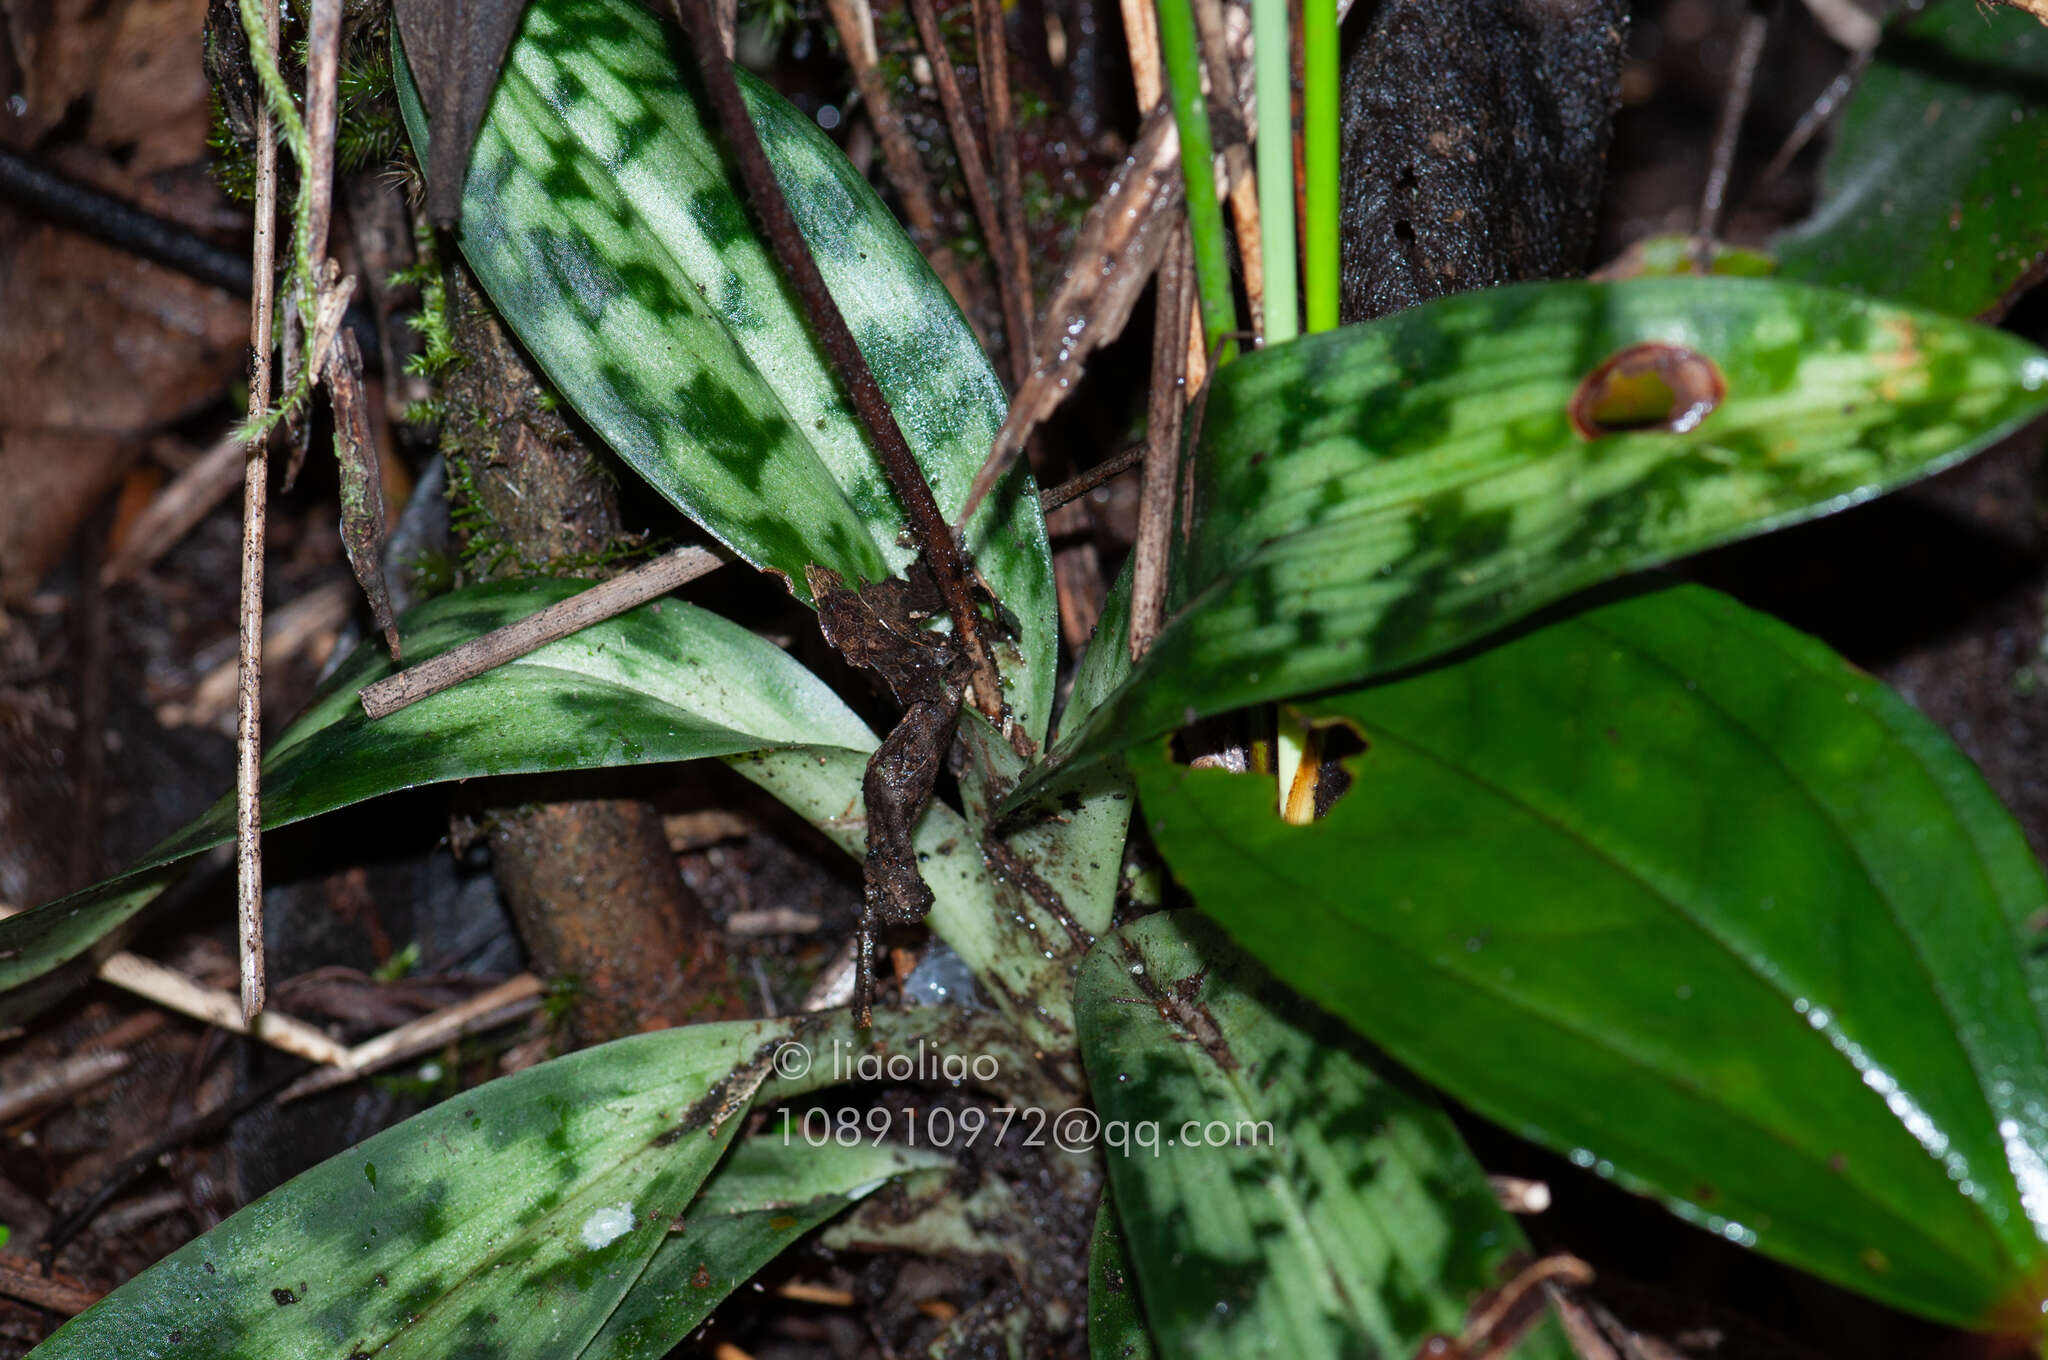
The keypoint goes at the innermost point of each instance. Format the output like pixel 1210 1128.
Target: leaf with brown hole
pixel 1676 891
pixel 1651 386
pixel 1375 496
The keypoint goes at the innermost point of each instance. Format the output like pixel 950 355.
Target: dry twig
pixel 1114 256
pixel 974 171
pixel 58 1292
pixel 1076 487
pixel 255 485
pixel 1749 47
pixel 1164 409
pixel 855 21
pixel 608 599
pixel 992 53
pixel 177 509
pixel 486 1010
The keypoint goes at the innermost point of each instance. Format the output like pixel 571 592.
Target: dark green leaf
pixel 506 1222
pixel 1374 496
pixel 604 221
pixel 1294 1201
pixel 1673 889
pixel 1932 194
pixel 667 681
pixel 764 1196
pixel 1116 1323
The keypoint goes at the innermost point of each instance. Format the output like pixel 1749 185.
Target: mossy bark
pixel 592 884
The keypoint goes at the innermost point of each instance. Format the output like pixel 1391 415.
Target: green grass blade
pixel 1182 58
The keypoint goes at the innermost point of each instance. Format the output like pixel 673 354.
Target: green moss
pixel 234 165
pixel 439 355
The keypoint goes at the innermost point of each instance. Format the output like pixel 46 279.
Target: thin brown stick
pixel 323 104
pixel 1076 487
pixel 974 171
pixel 992 52
pixel 1813 120
pixel 1118 249
pixel 59 1292
pixel 1486 1328
pixel 1749 47
pixel 905 168
pixel 255 485
pixel 928 526
pixel 1165 408
pixel 606 600
pixel 486 1010
pixel 61 1079
pixel 177 509
pixel 1141 35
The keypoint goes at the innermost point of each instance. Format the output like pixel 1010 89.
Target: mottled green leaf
pixel 1116 1321
pixel 506 1222
pixel 603 219
pixel 1374 496
pixel 1292 1199
pixel 1932 193
pixel 667 681
pixel 764 1196
pixel 1673 889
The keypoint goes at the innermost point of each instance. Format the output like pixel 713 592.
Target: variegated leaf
pixel 605 222
pixel 1375 496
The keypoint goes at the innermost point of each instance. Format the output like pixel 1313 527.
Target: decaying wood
pixel 362 484
pixel 1474 139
